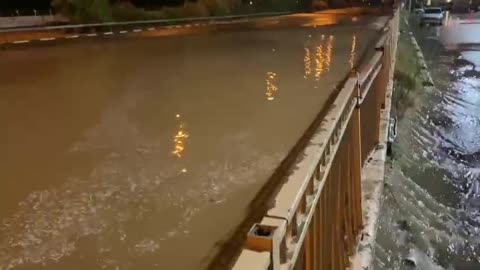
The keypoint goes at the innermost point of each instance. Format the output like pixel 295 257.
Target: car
pixel 432 15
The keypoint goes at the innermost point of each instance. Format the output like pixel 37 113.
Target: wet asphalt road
pixel 431 214
pixel 144 151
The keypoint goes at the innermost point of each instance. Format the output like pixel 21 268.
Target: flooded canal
pixel 431 214
pixel 144 153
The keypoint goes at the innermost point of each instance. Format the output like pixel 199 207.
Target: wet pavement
pixel 431 213
pixel 145 152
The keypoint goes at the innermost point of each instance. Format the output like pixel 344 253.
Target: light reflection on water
pixel 307 63
pixel 323 56
pixel 353 51
pixel 272 87
pixel 328 54
pixel 319 61
pixel 179 138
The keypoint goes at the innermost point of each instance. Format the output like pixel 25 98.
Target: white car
pixel 432 16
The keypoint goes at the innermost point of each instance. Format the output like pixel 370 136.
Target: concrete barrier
pixel 30 21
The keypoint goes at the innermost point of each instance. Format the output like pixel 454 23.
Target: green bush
pixel 127 12
pixel 407 70
pixel 285 5
pixel 100 10
pixel 85 10
pixel 171 13
pixel 217 7
pixel 191 9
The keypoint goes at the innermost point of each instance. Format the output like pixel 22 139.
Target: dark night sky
pixel 24 4
pixel 156 3
pixel 45 4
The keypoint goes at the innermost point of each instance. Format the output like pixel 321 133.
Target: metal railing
pixel 317 213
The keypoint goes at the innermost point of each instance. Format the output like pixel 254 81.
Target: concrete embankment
pixel 29 21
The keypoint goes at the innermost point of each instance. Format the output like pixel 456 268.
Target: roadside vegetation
pixel 407 72
pixel 82 11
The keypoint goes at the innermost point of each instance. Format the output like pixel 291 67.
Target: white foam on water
pixel 423 261
pixel 49 223
pixel 432 226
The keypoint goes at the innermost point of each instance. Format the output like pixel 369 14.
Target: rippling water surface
pixel 144 153
pixel 431 213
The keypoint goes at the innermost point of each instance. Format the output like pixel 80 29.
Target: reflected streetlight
pixel 179 139
pixel 353 51
pixel 271 85
pixel 308 63
pixel 319 60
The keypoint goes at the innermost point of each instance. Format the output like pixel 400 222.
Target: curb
pixel 187 23
pixel 424 73
pixel 115 33
pixel 373 178
pixel 373 174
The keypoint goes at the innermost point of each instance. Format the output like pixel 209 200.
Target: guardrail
pixel 162 22
pixel 47 33
pixel 18 22
pixel 317 213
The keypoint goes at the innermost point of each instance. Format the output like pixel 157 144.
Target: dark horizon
pixel 12 5
pixel 9 6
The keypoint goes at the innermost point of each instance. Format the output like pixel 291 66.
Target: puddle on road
pixel 431 214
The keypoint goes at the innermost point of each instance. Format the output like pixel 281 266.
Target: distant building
pixel 475 4
pixel 461 6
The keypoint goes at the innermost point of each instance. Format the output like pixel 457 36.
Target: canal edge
pixel 424 73
pixel 373 174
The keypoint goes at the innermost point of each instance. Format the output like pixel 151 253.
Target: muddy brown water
pixel 144 153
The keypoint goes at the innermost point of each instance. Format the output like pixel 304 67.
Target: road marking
pixel 177 26
pixel 123 32
pixel 21 41
pixel 108 33
pixel 187 25
pixel 151 29
pixel 137 30
pixel 196 24
pixel 92 35
pixel 69 37
pixel 47 39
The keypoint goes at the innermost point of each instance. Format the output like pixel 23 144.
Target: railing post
pixel 269 236
pixel 307 247
pixel 380 85
pixel 316 237
pixel 356 167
